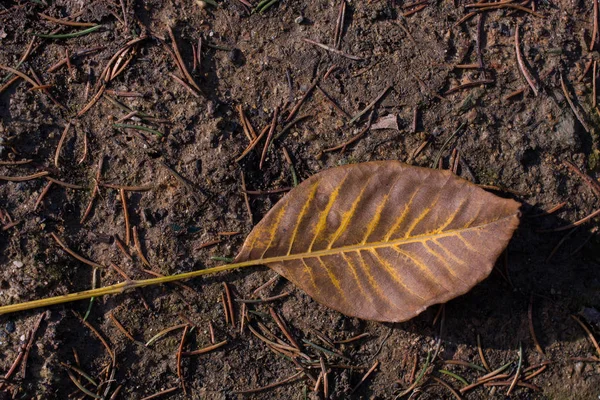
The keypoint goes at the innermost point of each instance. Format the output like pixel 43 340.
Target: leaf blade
pixel 397 236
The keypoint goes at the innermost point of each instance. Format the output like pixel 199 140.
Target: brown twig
pixel 469 85
pixel 138 248
pixel 354 138
pixel 88 209
pixel 332 102
pixel 72 253
pixel 180 60
pixel 481 355
pixel 42 195
pixel 23 178
pixel 521 64
pixel 246 200
pixel 333 50
pixel 272 385
pixel 589 333
pixel 269 137
pixel 414 11
pixel 126 215
pixel 204 350
pixel 161 393
pixel 365 376
pixel 229 303
pixel 179 354
pixel 594 26
pixel 283 327
pixel 120 326
pixel 30 344
pixel 531 328
pixel 572 105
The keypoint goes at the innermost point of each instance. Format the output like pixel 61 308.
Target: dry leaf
pixel 383 240
pixel 388 122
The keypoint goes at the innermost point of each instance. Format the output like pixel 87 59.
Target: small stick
pixel 163 333
pixel 447 386
pixel 229 303
pixel 521 64
pixel 24 178
pixel 204 350
pixel 72 253
pixel 587 68
pixel 269 137
pixel 225 309
pixel 469 85
pixel 264 285
pixel 185 85
pixel 182 181
pixel 246 200
pixel 126 215
pixel 212 332
pixel 354 138
pixel 179 352
pixel 301 101
pixel 65 22
pixel 65 184
pixel 333 103
pixel 513 6
pixel 88 209
pixel 325 379
pixel 120 326
pixel 479 40
pixel 594 26
pixel 180 60
pixel 329 71
pixel 594 80
pixel 333 50
pixel 138 248
pixel 30 344
pixel 365 376
pixel 550 211
pixel 17 162
pixel 531 328
pixel 592 183
pixel 414 11
pixel 99 336
pixel 85 149
pixel 589 333
pixel 574 224
pixel 279 383
pixel 371 105
pixel 121 247
pixel 265 300
pixel 283 327
pixel 42 195
pixel 352 339
pixel 140 188
pixel 518 373
pixel 161 393
pixel 253 144
pixel 415 119
pixel 481 355
pixel 243 319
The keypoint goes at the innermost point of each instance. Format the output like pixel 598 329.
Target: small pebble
pixel 299 19
pixel 10 327
pixel 18 264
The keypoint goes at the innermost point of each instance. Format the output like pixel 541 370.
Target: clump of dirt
pixel 515 143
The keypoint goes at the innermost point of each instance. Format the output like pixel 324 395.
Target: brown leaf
pixel 388 122
pixel 383 240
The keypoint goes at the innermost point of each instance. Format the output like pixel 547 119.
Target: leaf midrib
pixel 368 246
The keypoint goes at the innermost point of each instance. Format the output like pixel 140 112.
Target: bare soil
pixel 260 61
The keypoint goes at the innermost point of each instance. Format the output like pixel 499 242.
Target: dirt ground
pixel 260 62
